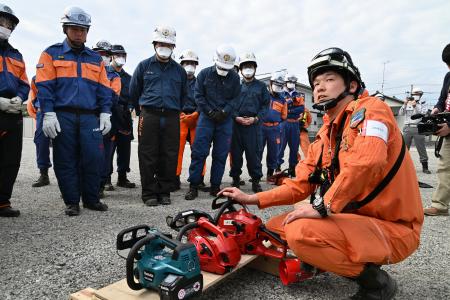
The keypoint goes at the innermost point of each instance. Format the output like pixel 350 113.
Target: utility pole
pixel 384 69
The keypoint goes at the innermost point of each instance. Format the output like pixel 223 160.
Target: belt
pixel 292 120
pixel 411 125
pixel 188 111
pixel 270 124
pixel 77 110
pixel 160 111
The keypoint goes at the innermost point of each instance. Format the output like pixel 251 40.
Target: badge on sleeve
pixel 357 117
pixel 38 66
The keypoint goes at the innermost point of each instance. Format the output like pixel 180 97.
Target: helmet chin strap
pixel 326 105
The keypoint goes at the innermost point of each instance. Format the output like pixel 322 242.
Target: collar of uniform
pixel 153 59
pixel 335 123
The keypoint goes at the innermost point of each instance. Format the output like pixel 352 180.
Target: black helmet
pixel 338 60
pixel 118 49
pixel 102 45
pixel 446 54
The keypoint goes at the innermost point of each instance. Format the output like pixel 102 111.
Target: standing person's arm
pixel 233 103
pixel 104 91
pixel 200 93
pixel 264 105
pixel 184 89
pixel 46 82
pixel 136 87
pixel 440 105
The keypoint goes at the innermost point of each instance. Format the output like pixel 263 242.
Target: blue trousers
pixel 207 132
pixel 271 139
pixel 246 139
pixel 42 144
pixel 108 145
pixel 123 147
pixel 290 135
pixel 78 157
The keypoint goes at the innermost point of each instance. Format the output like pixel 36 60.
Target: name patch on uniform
pixel 39 66
pixel 60 56
pixel 376 129
pixel 357 117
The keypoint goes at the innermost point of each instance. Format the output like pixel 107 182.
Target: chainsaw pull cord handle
pixel 273 235
pixel 132 255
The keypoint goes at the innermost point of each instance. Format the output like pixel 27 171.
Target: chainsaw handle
pixel 211 227
pixel 132 255
pixel 182 217
pixel 228 204
pixel 185 229
pixel 273 235
pixel 121 244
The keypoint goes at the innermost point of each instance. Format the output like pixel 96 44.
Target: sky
pixel 405 38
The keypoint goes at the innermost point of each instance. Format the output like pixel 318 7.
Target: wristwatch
pixel 319 206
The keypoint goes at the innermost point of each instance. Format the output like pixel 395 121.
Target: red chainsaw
pixel 248 230
pixel 217 249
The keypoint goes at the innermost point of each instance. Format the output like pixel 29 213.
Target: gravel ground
pixel 46 255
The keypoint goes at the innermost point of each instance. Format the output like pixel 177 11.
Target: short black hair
pixel 446 54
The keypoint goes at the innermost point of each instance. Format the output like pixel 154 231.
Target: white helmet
pixel 189 55
pixel 417 91
pixel 75 16
pixel 290 77
pixel 236 62
pixel 164 34
pixel 7 12
pixel 225 57
pixel 248 57
pixel 277 77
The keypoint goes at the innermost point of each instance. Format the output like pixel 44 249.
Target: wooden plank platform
pixel 121 291
pixel 86 294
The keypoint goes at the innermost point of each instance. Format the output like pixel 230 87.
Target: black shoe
pixel 99 206
pixel 202 187
pixel 123 181
pixel 375 284
pixel 9 212
pixel 108 185
pixel 256 187
pixel 215 189
pixel 192 194
pixel 425 168
pixel 164 200
pixel 236 182
pixel 278 169
pixel 43 179
pixel 151 202
pixel 72 210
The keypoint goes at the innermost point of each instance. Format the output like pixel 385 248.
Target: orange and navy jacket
pixel 277 111
pixel 32 104
pixel 114 83
pixel 296 104
pixel 13 78
pixel 65 78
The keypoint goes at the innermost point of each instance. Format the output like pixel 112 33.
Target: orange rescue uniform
pixel 188 123
pixel 386 230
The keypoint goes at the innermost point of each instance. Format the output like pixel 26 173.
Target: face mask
pixel 277 88
pixel 106 60
pixel 5 33
pixel 164 52
pixel 248 72
pixel 221 72
pixel 190 69
pixel 290 85
pixel 416 97
pixel 119 61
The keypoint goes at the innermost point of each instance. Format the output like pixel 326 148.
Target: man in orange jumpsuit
pixel 304 121
pixel 365 209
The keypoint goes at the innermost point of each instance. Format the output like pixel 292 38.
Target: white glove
pixel 50 125
pixel 13 105
pixel 105 123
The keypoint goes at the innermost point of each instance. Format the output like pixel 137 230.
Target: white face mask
pixel 164 52
pixel 416 97
pixel 5 33
pixel 248 72
pixel 119 61
pixel 277 88
pixel 221 72
pixel 190 69
pixel 290 85
pixel 106 60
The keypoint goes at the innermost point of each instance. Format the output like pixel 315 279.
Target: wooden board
pixel 86 294
pixel 121 291
pixel 265 264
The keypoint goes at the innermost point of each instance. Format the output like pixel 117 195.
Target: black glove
pixel 212 114
pixel 221 116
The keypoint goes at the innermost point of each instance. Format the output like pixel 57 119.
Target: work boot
pixel 164 200
pixel 256 187
pixel 425 168
pixel 375 284
pixel 108 185
pixel 192 194
pixel 72 210
pixel 278 169
pixel 292 172
pixel 433 211
pixel 215 189
pixel 236 182
pixel 99 206
pixel 123 181
pixel 43 179
pixel 9 212
pixel 151 202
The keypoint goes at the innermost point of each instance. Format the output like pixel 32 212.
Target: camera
pixel 429 124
